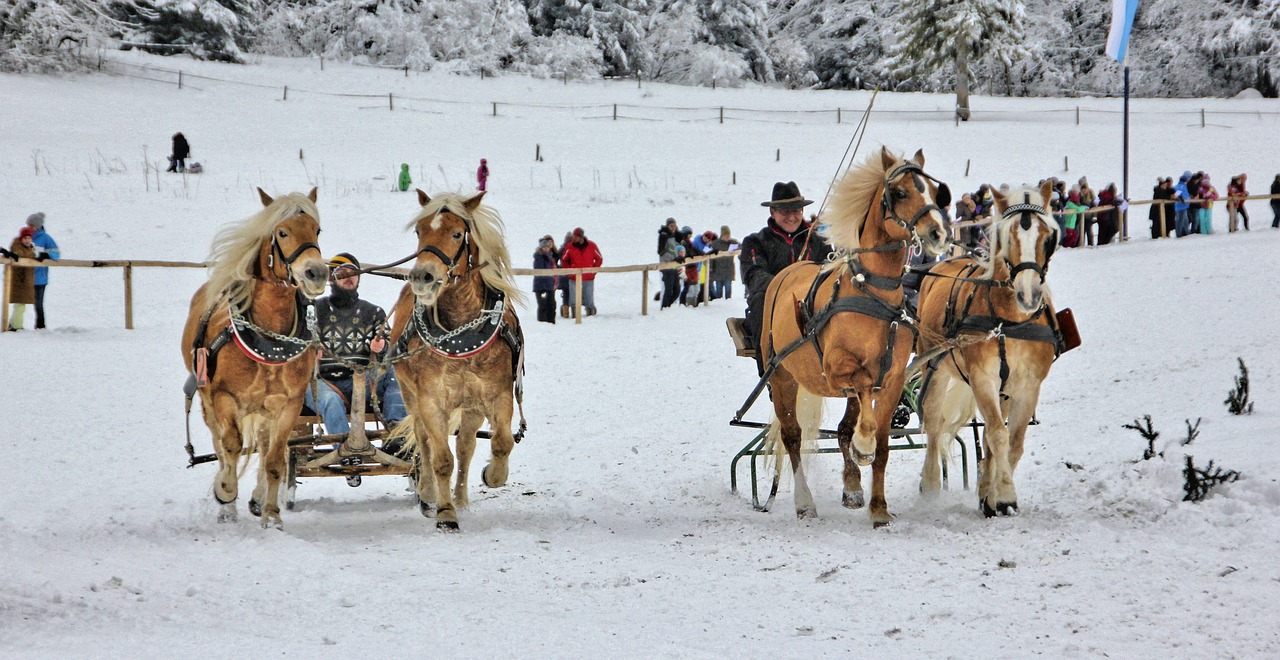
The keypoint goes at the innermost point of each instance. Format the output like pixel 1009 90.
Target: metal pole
pixel 1124 222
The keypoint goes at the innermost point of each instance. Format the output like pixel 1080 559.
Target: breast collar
pixel 466 340
pixel 267 347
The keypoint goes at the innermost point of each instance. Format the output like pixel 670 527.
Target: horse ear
pixel 943 198
pixel 1002 202
pixel 887 159
pixel 312 195
pixel 266 199
pixel 919 157
pixel 1046 191
pixel 423 198
pixel 473 202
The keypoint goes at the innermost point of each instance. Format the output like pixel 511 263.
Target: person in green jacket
pixel 1071 216
pixel 405 181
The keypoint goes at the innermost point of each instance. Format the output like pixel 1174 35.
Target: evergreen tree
pixel 739 26
pixel 41 35
pixel 958 33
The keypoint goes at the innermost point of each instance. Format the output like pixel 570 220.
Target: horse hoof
pixel 880 524
pixel 1008 509
pixel 255 507
pixel 427 509
pixel 289 505
pixel 484 476
pixel 447 526
pixel 987 511
pixel 853 500
pixel 806 513
pixel 227 513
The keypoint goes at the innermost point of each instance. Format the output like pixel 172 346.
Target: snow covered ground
pixel 618 535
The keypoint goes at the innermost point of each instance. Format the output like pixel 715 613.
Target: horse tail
pixel 809 408
pixel 404 433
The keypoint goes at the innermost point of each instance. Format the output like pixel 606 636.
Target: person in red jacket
pixel 1236 193
pixel 582 253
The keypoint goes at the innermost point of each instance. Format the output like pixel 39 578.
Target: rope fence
pixel 628 111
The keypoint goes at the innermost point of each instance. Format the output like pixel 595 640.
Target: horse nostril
pixel 316 273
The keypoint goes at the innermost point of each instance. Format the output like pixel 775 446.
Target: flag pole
pixel 1124 233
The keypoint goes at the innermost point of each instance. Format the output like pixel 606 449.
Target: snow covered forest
pixel 1179 48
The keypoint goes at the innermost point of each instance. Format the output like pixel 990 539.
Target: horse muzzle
pixel 934 239
pixel 425 284
pixel 311 277
pixel 1029 299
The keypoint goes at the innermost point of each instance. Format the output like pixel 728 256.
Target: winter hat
pixel 708 236
pixel 1204 179
pixel 671 221
pixel 483 161
pixel 544 242
pixel 36 219
pixel 680 248
pixel 1186 174
pixel 724 230
pixel 578 232
pixel 1074 197
pixel 686 230
pixel 343 259
pixel 26 232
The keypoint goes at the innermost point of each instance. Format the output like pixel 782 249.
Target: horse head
pixel 292 254
pixel 912 203
pixel 1026 236
pixel 446 249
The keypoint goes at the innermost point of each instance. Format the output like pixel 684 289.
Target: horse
pixel 458 348
pixel 990 335
pixel 265 271
pixel 854 347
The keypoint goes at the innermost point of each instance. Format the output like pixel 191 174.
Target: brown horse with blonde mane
pixel 458 348
pixel 265 271
pixel 839 330
pixel 991 335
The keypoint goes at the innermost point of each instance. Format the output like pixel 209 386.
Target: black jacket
pixel 665 235
pixel 180 147
pixel 346 325
pixel 768 251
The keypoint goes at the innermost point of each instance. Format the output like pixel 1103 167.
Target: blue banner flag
pixel 1122 13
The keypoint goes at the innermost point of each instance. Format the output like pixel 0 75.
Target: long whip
pixel 846 161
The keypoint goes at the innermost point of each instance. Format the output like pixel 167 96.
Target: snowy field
pixel 618 535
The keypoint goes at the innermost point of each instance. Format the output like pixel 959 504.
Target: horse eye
pixel 899 194
pixel 457 235
pixel 282 234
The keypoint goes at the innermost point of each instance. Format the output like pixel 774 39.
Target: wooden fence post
pixel 1077 115
pixel 1164 227
pixel 838 115
pixel 180 87
pixel 615 112
pixel 128 297
pixel 286 93
pixel 778 155
pixel 577 297
pixel 1201 115
pixel 391 102
pixel 722 114
pixel 644 293
pixel 406 71
pixel 495 108
pixel 735 178
pixel 967 162
pixel 4 311
pixel 1066 164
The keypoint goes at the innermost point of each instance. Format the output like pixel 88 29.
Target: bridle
pixel 288 260
pixel 917 174
pixel 449 262
pixel 1025 211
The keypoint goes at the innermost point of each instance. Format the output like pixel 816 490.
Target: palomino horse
pixel 843 327
pixel 459 347
pixel 265 271
pixel 991 331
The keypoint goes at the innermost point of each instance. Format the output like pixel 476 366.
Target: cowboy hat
pixel 787 196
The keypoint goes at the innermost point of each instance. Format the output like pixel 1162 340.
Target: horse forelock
pixel 853 200
pixel 487 234
pixel 235 248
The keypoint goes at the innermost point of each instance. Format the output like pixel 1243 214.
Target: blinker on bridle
pixel 451 262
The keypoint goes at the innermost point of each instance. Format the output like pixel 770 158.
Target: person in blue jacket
pixel 46 248
pixel 1181 221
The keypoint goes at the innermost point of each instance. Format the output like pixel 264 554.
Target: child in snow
pixel 405 181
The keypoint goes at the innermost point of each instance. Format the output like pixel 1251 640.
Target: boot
pixel 564 311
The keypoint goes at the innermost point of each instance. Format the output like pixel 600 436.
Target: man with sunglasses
pixel 352 331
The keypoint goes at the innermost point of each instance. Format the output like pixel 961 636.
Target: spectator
pixel 482 175
pixel 982 201
pixel 22 283
pixel 1071 219
pixel 563 283
pixel 702 246
pixel 1108 221
pixel 46 248
pixel 544 286
pixel 671 277
pixel 582 253
pixel 668 234
pixel 1160 213
pixel 722 270
pixel 785 239
pixel 690 291
pixel 178 157
pixel 967 211
pixel 352 332
pixel 1182 206
pixel 1275 203
pixel 1193 200
pixel 405 181
pixel 1089 200
pixel 1207 193
pixel 1236 193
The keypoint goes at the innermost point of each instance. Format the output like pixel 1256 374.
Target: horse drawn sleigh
pixel 456 345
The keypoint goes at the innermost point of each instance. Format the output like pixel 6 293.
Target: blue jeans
pixel 588 295
pixel 335 398
pixel 721 289
pixel 1181 224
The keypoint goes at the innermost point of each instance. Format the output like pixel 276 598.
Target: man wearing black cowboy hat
pixel 783 241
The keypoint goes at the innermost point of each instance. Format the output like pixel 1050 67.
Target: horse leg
pixel 219 416
pixel 852 498
pixel 881 415
pixel 785 394
pixel 992 489
pixel 466 446
pixel 868 427
pixel 947 406
pixel 437 470
pixel 1020 409
pixel 496 471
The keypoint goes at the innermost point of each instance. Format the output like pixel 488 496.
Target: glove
pixel 43 256
pixel 7 254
